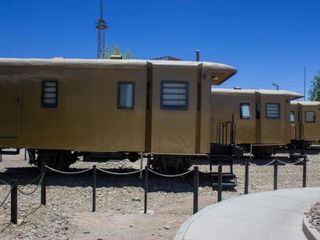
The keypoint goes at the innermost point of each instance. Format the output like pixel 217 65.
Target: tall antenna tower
pixel 101 26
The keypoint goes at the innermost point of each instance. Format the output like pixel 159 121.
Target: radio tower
pixel 101 26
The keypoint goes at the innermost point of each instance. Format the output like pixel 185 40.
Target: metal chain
pixel 170 176
pixel 268 164
pixel 299 161
pixel 7 196
pixel 68 173
pixel 120 174
pixel 34 190
pixel 33 180
pixel 4 182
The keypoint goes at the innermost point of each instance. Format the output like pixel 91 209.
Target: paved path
pixel 269 215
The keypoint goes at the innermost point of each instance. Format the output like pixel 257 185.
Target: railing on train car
pixel 223 132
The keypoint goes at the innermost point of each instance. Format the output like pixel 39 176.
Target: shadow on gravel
pixel 156 183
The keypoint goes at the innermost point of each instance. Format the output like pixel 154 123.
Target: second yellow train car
pixel 305 122
pixel 258 120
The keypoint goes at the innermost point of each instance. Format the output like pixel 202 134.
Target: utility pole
pixel 304 83
pixel 101 26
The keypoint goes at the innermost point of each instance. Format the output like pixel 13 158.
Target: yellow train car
pixel 60 109
pixel 305 122
pixel 257 118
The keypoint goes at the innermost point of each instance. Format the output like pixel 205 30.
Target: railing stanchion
pixel 220 182
pixel 44 187
pixel 275 173
pixel 141 165
pixel 195 189
pixel 94 187
pixel 246 177
pixel 304 177
pixel 146 186
pixel 14 202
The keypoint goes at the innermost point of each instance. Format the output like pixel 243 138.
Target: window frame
pixel 133 95
pixel 279 111
pixel 174 108
pixel 241 112
pixel 43 87
pixel 305 117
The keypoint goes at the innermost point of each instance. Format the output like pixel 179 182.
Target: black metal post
pixel 146 186
pixel 14 202
pixel 195 189
pixel 246 178
pixel 44 187
pixel 220 182
pixel 275 173
pixel 304 177
pixel 94 188
pixel 231 167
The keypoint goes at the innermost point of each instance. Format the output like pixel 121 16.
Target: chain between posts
pixel 35 189
pixel 6 198
pixel 170 176
pixel 119 174
pixel 67 173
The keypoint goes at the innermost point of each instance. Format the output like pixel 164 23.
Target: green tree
pixel 116 50
pixel 314 92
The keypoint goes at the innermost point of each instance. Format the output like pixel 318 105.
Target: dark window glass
pixel 273 110
pixel 126 95
pixel 49 93
pixel 174 95
pixel 292 118
pixel 245 111
pixel 310 117
pixel 258 110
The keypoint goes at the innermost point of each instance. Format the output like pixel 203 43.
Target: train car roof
pixel 291 94
pixel 222 71
pixel 306 103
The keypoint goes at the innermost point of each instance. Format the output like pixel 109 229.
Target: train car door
pixel 9 108
pixel 174 109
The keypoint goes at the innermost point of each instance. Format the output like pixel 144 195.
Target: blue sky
pixel 267 41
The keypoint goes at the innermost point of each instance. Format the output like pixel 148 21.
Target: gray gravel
pixel 120 201
pixel 313 215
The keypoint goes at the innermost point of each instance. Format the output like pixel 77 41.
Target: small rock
pixel 166 227
pixel 136 199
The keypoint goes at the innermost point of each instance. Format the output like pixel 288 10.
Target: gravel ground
pixel 119 212
pixel 313 215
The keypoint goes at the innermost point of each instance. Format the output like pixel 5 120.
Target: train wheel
pixel 170 164
pixel 262 152
pixel 60 160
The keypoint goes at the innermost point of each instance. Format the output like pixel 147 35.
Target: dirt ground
pixel 120 200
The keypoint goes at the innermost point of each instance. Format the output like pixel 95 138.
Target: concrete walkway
pixel 268 215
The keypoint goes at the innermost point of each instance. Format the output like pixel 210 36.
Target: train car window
pixel 125 95
pixel 310 117
pixel 49 96
pixel 245 111
pixel 292 118
pixel 174 95
pixel 272 110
